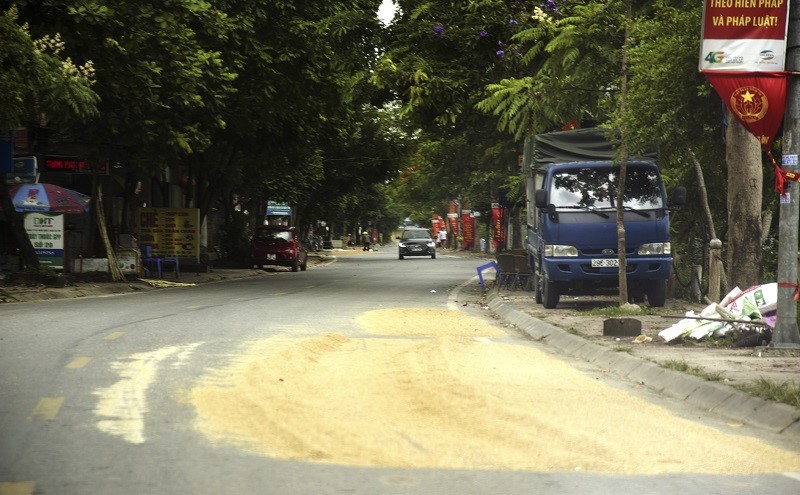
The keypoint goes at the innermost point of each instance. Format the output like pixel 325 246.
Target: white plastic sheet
pixel 747 305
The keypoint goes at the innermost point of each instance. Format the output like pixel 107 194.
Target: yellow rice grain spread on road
pixel 450 397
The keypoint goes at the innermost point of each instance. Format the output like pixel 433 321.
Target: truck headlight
pixel 654 248
pixel 560 250
pixel 401 244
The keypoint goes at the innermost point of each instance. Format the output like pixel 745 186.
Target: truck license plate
pixel 605 262
pixel 270 256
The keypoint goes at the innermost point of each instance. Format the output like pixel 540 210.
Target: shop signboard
pixel 46 232
pixel 170 232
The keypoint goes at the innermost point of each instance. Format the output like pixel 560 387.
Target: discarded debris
pixel 750 311
pixel 164 283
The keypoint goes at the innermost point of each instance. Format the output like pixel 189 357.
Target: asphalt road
pixel 62 360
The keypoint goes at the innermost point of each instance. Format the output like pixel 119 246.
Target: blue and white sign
pixel 275 208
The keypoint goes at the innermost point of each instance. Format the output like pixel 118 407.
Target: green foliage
pixel 235 240
pixel 786 392
pixel 36 78
pixel 316 103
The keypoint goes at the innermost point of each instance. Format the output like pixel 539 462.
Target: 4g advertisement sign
pixel 744 35
pixel 171 232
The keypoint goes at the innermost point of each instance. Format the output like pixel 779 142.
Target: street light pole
pixel 786 334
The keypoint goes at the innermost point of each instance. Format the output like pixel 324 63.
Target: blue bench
pixel 159 262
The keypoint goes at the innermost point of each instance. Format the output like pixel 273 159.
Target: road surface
pixel 369 375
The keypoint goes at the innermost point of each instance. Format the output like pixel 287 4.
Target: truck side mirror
pixel 540 198
pixel 679 196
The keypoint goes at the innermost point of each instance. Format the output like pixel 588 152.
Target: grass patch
pixel 622 348
pixel 785 392
pixel 617 311
pixel 685 367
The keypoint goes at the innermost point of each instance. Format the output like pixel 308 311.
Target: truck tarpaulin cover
pixel 589 144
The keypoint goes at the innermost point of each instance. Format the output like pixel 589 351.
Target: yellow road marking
pixel 78 363
pixel 17 488
pixel 46 409
pixel 114 335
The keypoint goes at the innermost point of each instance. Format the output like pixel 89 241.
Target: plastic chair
pixel 507 273
pixel 523 279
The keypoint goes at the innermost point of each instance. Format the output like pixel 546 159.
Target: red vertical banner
pixel 452 217
pixel 743 55
pixel 467 228
pixel 496 234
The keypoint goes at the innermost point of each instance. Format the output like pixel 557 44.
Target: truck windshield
pixel 596 188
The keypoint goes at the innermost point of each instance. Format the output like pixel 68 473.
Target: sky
pixel 386 11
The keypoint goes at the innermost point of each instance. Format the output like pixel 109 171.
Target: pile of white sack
pixel 756 304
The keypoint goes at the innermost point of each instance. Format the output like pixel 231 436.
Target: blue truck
pixel 572 213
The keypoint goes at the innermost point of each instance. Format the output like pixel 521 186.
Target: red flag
pixel 758 100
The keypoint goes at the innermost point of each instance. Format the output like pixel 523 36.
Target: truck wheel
pixel 550 295
pixel 657 293
pixel 295 266
pixel 537 288
pixel 635 294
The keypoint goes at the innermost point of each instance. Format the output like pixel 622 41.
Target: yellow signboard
pixel 170 232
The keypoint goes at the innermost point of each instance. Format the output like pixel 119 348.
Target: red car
pixel 277 245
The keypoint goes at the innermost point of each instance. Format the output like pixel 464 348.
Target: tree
pixel 684 119
pixel 743 156
pixel 242 99
pixel 569 62
pixel 439 58
pixel 37 81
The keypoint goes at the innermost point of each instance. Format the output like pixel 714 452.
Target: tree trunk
pixel 701 188
pixel 743 157
pixel 26 252
pixel 516 222
pixel 623 165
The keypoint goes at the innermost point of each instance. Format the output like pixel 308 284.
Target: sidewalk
pixel 21 293
pixel 574 330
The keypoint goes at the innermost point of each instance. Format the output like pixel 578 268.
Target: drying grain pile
pixel 431 389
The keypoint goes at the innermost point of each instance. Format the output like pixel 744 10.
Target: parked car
pixel 416 242
pixel 277 245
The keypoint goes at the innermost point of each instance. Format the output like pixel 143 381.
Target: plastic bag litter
pixel 748 305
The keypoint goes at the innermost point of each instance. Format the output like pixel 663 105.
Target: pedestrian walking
pixel 365 240
pixel 442 238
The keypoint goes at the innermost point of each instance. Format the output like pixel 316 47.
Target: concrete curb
pixel 714 397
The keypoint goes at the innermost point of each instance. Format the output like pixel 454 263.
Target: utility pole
pixel 786 334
